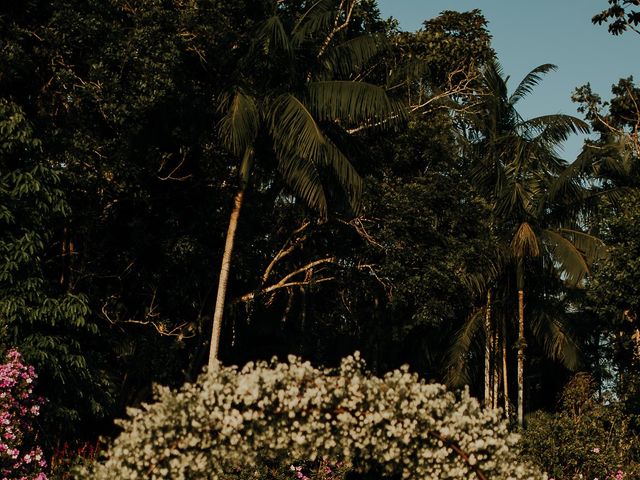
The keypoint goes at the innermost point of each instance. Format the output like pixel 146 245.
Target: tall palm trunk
pixel 223 279
pixel 521 342
pixel 505 385
pixel 487 352
pixel 496 367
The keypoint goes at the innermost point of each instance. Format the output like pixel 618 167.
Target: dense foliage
pixel 587 438
pixel 393 202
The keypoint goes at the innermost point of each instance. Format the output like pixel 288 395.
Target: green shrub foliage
pixel 235 420
pixel 587 438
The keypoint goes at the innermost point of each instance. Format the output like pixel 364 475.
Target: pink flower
pixel 596 450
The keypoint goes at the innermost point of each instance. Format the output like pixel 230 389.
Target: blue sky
pixel 528 33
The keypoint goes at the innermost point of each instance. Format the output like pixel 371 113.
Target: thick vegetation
pixel 193 180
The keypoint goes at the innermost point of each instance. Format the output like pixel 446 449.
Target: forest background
pixel 393 202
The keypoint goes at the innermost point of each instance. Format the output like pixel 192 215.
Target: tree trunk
pixel 496 369
pixel 505 385
pixel 224 277
pixel 487 352
pixel 521 347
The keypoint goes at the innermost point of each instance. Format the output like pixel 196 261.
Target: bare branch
pixel 358 225
pixel 459 84
pixel 453 87
pixel 337 26
pixel 287 282
pixel 290 245
pixel 172 172
pixel 184 330
pixel 387 286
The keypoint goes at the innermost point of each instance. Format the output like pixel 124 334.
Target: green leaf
pixel 238 127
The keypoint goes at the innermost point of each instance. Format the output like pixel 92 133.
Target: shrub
pixel 586 439
pixel 279 414
pixel 20 456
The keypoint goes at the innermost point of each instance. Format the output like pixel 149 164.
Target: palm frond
pixel 302 148
pixel 352 103
pixel 238 127
pixel 495 84
pixel 477 283
pixel 271 35
pixel 352 55
pixel 555 338
pixel 591 246
pixel 570 260
pixel 567 186
pixel 531 79
pixel 552 130
pixel 294 129
pixel 525 242
pixel 304 179
pixel 315 21
pixel 345 173
pixel 457 372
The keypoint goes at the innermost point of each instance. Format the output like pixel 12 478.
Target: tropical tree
pixel 535 200
pixel 305 95
pixel 620 16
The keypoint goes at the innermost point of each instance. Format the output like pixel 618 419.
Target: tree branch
pixel 337 26
pixel 285 282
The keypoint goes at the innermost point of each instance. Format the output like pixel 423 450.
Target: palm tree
pixel 535 203
pixel 295 86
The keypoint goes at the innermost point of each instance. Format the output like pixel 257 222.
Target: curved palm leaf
pixel 554 336
pixel 238 127
pixel 345 173
pixel 457 373
pixel 569 259
pixel 304 179
pixel 297 138
pixel 567 187
pixel 591 247
pixel 294 129
pixel 353 103
pixel 555 129
pixel 272 36
pixel 531 79
pixel 352 54
pixel 318 18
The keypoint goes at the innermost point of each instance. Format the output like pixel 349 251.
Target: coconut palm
pixel 294 87
pixel 536 204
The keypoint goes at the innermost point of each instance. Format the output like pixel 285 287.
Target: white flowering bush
pixel 233 421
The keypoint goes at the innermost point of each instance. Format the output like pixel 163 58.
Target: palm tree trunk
pixel 521 341
pixel 496 369
pixel 224 277
pixel 521 347
pixel 487 352
pixel 505 385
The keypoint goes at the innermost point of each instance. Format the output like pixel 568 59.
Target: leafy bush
pixel 586 439
pixel 282 414
pixel 20 456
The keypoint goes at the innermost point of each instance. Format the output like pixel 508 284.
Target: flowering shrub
pixel 20 457
pixel 234 420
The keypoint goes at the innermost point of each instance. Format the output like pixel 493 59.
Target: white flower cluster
pixel 234 419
